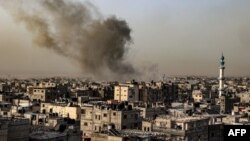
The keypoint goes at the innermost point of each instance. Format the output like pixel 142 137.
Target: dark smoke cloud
pixel 73 30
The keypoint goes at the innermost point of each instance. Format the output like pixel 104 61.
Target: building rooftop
pixel 14 121
pixel 183 118
pixel 190 119
pixel 46 135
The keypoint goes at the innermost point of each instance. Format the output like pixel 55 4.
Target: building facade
pixel 96 117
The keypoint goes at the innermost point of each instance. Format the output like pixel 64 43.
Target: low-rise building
pixel 244 97
pixel 48 136
pixel 62 110
pixel 197 95
pixel 14 129
pixel 96 117
pixel 227 103
pixel 42 94
pixel 179 128
pixel 5 109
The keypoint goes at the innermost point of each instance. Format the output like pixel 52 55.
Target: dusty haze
pixel 177 37
pixel 75 30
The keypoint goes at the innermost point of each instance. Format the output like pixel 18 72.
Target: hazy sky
pixel 177 37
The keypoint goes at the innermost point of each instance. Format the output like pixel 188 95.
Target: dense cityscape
pixel 173 109
pixel 134 70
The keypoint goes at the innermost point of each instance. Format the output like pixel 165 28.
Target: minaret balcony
pixel 221 78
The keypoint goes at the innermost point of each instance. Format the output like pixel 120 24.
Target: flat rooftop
pixel 46 135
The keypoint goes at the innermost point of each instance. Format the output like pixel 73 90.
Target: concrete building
pixel 48 136
pixel 242 108
pixel 97 117
pixel 3 131
pixel 126 92
pixel 13 129
pixel 5 109
pixel 6 97
pixel 54 136
pixel 244 97
pixel 62 110
pixel 4 87
pixel 215 127
pixel 47 85
pixel 227 104
pixel 150 112
pixel 48 120
pixel 197 96
pixel 42 94
pixel 179 128
pixel 158 92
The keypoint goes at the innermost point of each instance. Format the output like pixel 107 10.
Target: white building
pixel 126 92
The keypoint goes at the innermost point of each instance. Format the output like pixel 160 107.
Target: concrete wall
pixel 126 93
pixel 19 131
pixel 95 119
pixel 4 132
pixel 64 111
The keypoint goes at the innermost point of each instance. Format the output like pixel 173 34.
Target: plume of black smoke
pixel 71 29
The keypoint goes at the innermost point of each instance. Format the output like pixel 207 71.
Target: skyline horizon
pixel 33 74
pixel 168 37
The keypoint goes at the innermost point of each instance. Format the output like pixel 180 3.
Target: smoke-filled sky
pixel 172 37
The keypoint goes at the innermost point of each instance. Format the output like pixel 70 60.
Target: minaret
pixel 221 77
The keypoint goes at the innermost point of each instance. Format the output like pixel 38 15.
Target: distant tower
pixel 221 77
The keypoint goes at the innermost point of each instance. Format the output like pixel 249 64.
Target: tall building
pixel 221 77
pixel 126 92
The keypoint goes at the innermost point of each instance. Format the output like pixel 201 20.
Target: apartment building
pixel 96 117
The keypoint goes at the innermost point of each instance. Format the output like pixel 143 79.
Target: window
pixel 136 116
pixel 104 115
pixel 125 116
pixel 83 111
pixel 114 113
pixel 5 113
pixel 85 124
pixel 43 105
